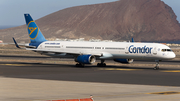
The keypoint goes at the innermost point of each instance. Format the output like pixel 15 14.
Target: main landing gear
pixel 79 65
pixel 157 65
pixel 102 64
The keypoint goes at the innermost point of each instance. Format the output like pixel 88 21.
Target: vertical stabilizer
pixel 35 35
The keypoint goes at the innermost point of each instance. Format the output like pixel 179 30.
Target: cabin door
pixel 155 51
pixel 127 49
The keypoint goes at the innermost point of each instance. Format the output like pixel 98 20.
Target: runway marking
pixel 165 93
pixel 120 69
pixel 174 71
pixel 15 64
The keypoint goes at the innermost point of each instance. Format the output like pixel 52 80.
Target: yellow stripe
pixel 174 71
pixel 118 69
pixel 15 64
pixel 165 93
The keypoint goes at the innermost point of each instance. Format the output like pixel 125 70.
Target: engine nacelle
pixel 125 61
pixel 86 59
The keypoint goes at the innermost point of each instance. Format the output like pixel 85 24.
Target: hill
pixel 144 20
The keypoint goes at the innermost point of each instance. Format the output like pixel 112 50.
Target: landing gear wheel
pixel 157 65
pixel 79 65
pixel 104 65
pixel 101 65
pixel 156 68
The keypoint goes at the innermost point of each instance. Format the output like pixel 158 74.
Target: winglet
pixel 15 43
pixel 132 40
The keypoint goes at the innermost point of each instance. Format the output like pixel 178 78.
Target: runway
pixel 139 74
pixel 110 74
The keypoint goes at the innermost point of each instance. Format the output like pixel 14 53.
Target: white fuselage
pixel 110 50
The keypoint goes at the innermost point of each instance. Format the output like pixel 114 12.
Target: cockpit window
pixel 166 50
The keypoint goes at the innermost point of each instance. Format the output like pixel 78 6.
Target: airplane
pixel 88 52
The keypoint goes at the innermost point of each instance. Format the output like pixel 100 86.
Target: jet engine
pixel 124 61
pixel 86 59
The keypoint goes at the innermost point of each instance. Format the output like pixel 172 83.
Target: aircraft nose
pixel 172 55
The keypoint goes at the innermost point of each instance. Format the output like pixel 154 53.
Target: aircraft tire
pixel 101 65
pixel 156 68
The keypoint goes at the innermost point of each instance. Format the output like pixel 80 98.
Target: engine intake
pixel 124 61
pixel 86 59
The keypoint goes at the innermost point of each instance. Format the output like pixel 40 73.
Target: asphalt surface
pixel 41 78
pixel 141 75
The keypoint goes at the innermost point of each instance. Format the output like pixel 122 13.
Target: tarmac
pixel 36 78
pixel 17 89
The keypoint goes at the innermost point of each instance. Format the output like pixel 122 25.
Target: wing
pixel 62 52
pixel 33 48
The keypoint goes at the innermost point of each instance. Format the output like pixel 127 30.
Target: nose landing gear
pixel 157 65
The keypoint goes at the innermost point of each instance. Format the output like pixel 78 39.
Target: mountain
pixel 144 20
pixel 5 27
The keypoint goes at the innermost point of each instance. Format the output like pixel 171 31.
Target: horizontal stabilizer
pixel 23 45
pixel 16 43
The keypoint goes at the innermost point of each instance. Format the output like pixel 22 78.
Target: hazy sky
pixel 11 11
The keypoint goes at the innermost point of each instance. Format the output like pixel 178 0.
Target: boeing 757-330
pixel 88 52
